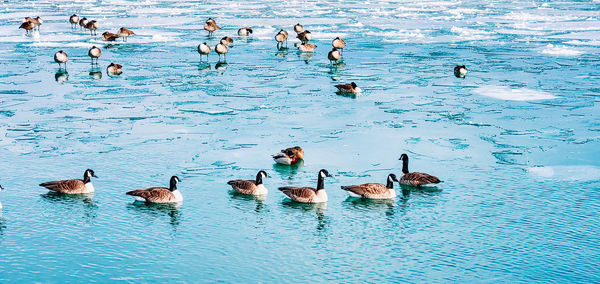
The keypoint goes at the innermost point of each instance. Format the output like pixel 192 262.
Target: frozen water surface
pixel 516 142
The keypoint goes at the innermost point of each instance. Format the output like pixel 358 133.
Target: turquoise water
pixel 516 142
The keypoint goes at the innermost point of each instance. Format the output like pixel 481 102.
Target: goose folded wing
pixel 366 189
pixel 416 178
pixel 64 185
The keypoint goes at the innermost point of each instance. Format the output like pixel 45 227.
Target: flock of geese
pixel 256 187
pixel 289 156
pixel 222 48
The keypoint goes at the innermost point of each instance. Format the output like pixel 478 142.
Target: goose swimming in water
pixel 374 190
pixel 307 47
pixel 94 53
pixel 304 36
pixel 114 69
pixel 204 49
pixel 245 31
pixel 28 26
pixel 74 20
pixel 221 49
pixel 334 55
pixel 159 194
pixel 106 36
pixel 226 41
pixel 82 22
pixel 72 186
pixel 252 187
pixel 289 156
pixel 415 178
pixel 349 88
pixel 308 194
pixel 338 43
pixel 125 33
pixel 211 26
pixel 281 37
pixel 92 26
pixel 460 71
pixel 61 58
pixel 298 28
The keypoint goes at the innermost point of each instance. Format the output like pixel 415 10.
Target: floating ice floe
pixel 506 93
pixel 558 50
pixel 572 173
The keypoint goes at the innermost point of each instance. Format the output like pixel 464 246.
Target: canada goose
pixel 374 190
pixel 289 156
pixel 72 186
pixel 227 41
pixel 334 55
pixel 61 58
pixel 245 31
pixel 211 26
pixel 308 194
pixel 125 33
pixel 304 36
pixel 204 49
pixel 307 47
pixel 460 71
pixel 114 69
pixel 280 37
pixel 38 22
pixel 82 22
pixel 338 43
pixel 252 187
pixel 92 26
pixel 221 49
pixel 159 194
pixel 94 53
pixel 106 36
pixel 74 20
pixel 349 88
pixel 27 26
pixel 298 28
pixel 415 178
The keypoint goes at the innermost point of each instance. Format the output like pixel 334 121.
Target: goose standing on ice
pixel 106 36
pixel 304 36
pixel 114 69
pixel 307 47
pixel 289 156
pixel 159 194
pixel 374 190
pixel 226 41
pixel 460 71
pixel 334 55
pixel 308 194
pixel 94 53
pixel 92 26
pixel 415 178
pixel 125 33
pixel 251 187
pixel 74 20
pixel 72 186
pixel 281 37
pixel 338 43
pixel 245 31
pixel 221 49
pixel 211 26
pixel 28 26
pixel 351 88
pixel 204 49
pixel 61 58
pixel 82 22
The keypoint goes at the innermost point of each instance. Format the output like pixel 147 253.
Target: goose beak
pixel 94 175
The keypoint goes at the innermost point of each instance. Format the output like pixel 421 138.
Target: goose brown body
pixel 74 19
pixel 374 190
pixel 159 194
pixel 106 36
pixel 298 28
pixel 211 25
pixel 307 194
pixel 304 36
pixel 82 22
pixel 307 47
pixel 349 88
pixel 416 179
pixel 125 33
pixel 114 69
pixel 27 26
pixel 227 41
pixel 92 26
pixel 72 186
pixel 251 187
pixel 334 55
pixel 338 43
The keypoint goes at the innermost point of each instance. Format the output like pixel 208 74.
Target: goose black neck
pixel 173 185
pixel 86 178
pixel 405 165
pixel 390 183
pixel 320 182
pixel 259 180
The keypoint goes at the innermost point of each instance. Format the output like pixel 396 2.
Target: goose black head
pixel 324 173
pixel 89 174
pixel 353 85
pixel 263 174
pixel 173 183
pixel 403 157
pixel 60 51
pixel 392 177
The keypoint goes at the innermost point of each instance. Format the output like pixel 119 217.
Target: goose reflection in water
pixel 371 204
pixel 73 202
pixel 317 208
pixel 307 56
pixel 221 67
pixel 61 76
pixel 204 66
pixel 282 52
pixel 159 210
pixel 258 200
pixel 288 171
pixel 96 74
